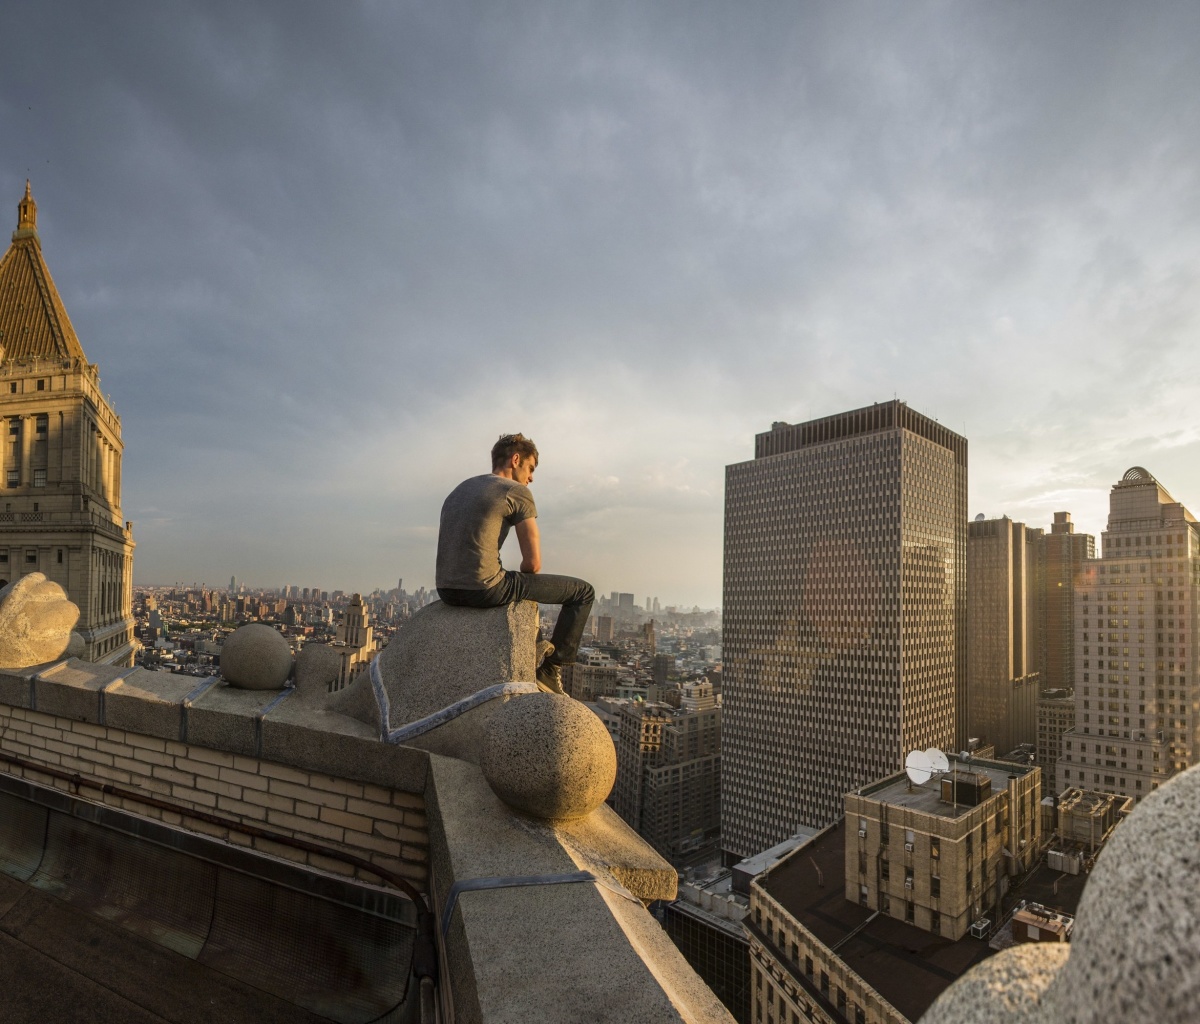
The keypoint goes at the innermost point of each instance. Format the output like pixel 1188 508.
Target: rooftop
pixel 899 791
pixel 909 967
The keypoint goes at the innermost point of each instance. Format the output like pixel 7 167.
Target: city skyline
pixel 324 257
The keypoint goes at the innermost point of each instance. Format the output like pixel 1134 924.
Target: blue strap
pixel 448 714
pixel 475 884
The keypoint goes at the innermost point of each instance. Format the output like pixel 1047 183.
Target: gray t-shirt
pixel 475 522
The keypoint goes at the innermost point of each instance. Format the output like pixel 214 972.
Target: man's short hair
pixel 510 445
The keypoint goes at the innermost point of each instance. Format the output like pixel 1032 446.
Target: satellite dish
pixel 918 766
pixel 980 518
pixel 939 761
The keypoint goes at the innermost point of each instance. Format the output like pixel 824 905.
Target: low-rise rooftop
pixel 929 797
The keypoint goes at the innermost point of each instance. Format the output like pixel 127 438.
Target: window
pixel 31 557
pixel 39 478
pixel 935 887
pixel 41 385
pixel 909 913
pixel 935 922
pixel 14 478
pixel 935 846
pixel 42 426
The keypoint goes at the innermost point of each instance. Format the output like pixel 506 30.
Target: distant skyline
pixel 324 254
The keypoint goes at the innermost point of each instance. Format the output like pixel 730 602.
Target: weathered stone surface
pixel 317 665
pixel 596 956
pixel 256 657
pixel 1135 952
pixel 1134 955
pixel 36 620
pixel 548 755
pixel 445 654
pixel 1005 989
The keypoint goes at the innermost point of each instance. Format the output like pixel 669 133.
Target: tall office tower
pixel 1063 553
pixel 845 608
pixel 61 488
pixel 1137 700
pixel 1004 631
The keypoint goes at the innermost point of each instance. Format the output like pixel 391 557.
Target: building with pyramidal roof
pixel 60 482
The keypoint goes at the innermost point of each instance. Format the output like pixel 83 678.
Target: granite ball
pixel 256 657
pixel 318 667
pixel 548 756
pixel 1007 988
pixel 1134 953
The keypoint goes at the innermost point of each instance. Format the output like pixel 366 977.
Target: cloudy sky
pixel 323 253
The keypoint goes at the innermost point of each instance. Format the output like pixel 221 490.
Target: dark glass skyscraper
pixel 844 613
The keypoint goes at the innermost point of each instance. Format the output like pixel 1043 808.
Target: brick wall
pixel 384 826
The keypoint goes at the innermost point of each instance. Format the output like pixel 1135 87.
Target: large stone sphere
pixel 1134 953
pixel 317 669
pixel 548 756
pixel 256 657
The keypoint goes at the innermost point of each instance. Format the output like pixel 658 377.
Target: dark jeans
pixel 574 595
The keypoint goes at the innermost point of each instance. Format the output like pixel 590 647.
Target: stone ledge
pixel 558 952
pixel 220 718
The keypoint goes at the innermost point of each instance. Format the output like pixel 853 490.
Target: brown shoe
pixel 544 649
pixel 549 677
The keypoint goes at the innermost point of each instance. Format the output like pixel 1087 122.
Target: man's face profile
pixel 523 469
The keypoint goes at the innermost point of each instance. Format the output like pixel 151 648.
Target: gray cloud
pixel 324 253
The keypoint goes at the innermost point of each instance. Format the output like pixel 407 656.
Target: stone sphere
pixel 1134 953
pixel 256 657
pixel 317 666
pixel 548 756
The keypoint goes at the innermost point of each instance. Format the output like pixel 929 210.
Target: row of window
pixel 12 478
pixel 42 384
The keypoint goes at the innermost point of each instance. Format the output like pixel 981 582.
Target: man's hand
pixel 531 545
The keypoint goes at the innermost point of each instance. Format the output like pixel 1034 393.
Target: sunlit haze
pixel 323 254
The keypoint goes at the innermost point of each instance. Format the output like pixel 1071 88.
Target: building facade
pixel 1064 553
pixel 1055 716
pixel 939 855
pixel 1004 631
pixel 1137 708
pixel 61 488
pixel 668 785
pixel 844 613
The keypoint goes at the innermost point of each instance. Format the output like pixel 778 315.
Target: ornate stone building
pixel 1137 695
pixel 844 614
pixel 60 489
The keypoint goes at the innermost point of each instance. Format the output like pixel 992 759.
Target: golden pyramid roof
pixel 33 321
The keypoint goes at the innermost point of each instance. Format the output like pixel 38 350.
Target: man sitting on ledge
pixel 476 518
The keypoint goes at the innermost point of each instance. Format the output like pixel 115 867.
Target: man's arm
pixel 531 545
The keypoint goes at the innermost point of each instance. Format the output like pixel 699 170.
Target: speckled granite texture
pixel 549 756
pixel 1135 954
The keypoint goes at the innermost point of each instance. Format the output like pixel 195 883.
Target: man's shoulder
pixel 488 486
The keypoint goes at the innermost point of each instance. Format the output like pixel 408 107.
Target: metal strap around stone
pixel 446 714
pixel 513 881
pixel 381 698
pixel 101 710
pixel 186 703
pixel 278 699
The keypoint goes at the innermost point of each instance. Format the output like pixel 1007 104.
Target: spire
pixel 27 211
pixel 33 321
